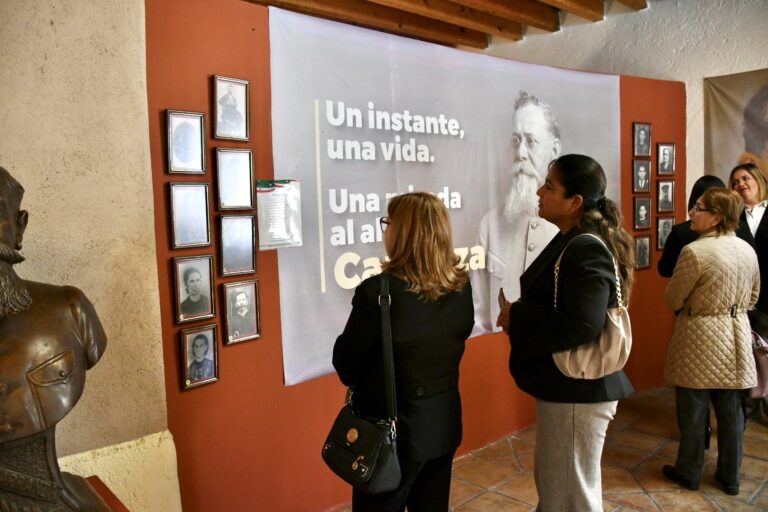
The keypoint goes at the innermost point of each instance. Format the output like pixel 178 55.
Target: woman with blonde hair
pixel 716 280
pixel 432 316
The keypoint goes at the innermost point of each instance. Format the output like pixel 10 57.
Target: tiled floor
pixel 641 439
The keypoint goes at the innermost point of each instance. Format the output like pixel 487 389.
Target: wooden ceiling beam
pixel 592 10
pixel 527 12
pixel 634 4
pixel 456 14
pixel 384 18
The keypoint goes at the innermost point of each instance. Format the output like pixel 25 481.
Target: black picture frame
pixel 188 286
pixel 642 221
pixel 665 167
pixel 186 142
pixel 231 104
pixel 641 146
pixel 238 244
pixel 199 368
pixel 242 324
pixel 190 215
pixel 642 251
pixel 665 196
pixel 234 174
pixel 640 185
pixel 663 229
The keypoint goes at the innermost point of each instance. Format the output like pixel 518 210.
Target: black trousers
pixel 425 487
pixel 692 412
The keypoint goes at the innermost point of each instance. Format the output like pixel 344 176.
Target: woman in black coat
pixel 432 316
pixel 572 414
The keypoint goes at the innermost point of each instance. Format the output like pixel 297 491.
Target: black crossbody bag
pixel 363 451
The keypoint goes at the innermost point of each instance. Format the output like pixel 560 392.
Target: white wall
pixel 681 40
pixel 74 132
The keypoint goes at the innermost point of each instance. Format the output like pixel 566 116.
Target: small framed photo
pixel 199 356
pixel 186 142
pixel 189 214
pixel 234 169
pixel 194 287
pixel 663 229
pixel 238 242
pixel 641 176
pixel 642 139
pixel 243 322
pixel 665 153
pixel 642 251
pixel 642 212
pixel 665 196
pixel 231 104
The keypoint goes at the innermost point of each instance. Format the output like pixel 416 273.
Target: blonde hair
pixel 727 204
pixel 421 252
pixel 754 171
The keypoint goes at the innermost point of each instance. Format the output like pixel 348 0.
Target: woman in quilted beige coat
pixel 716 280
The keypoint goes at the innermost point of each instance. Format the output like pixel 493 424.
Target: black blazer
pixel 428 340
pixel 586 290
pixel 681 235
pixel 760 243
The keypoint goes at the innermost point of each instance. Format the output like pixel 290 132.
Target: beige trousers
pixel 569 446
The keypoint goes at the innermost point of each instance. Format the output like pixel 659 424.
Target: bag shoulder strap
pixel 385 301
pixel 619 300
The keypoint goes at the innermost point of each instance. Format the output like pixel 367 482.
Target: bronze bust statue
pixel 49 336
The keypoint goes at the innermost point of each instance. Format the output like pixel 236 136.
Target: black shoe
pixel 732 490
pixel 670 473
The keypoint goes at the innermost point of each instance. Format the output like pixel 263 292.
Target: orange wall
pixel 662 104
pixel 247 442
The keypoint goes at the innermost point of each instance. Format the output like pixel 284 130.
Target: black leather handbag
pixel 363 451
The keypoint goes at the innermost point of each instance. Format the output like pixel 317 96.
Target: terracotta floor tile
pixel 521 487
pixel 461 492
pixel 609 506
pixel 524 440
pixel 624 418
pixel 650 477
pixel 636 502
pixel 756 447
pixel 762 498
pixel 656 426
pixel 754 469
pixel 501 453
pixel 619 480
pixel 623 456
pixel 525 458
pixel 492 502
pixel 747 488
pixel 467 457
pixel 636 439
pixel 483 473
pixel 756 429
pixel 683 501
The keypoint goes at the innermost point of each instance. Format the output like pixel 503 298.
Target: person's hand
pixel 503 320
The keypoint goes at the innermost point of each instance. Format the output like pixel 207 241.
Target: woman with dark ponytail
pixel 572 414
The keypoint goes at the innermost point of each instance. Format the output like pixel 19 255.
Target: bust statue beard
pixel 14 296
pixel 522 200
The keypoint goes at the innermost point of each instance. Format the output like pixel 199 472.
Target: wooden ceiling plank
pixel 456 14
pixel 384 18
pixel 592 10
pixel 527 12
pixel 634 4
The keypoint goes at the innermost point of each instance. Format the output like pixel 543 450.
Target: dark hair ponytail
pixel 582 175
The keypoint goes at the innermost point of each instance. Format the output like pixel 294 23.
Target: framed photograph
pixel 642 212
pixel 186 142
pixel 663 229
pixel 243 322
pixel 641 176
pixel 189 214
pixel 642 251
pixel 665 196
pixel 194 287
pixel 665 153
pixel 234 170
pixel 642 139
pixel 199 356
pixel 238 242
pixel 231 104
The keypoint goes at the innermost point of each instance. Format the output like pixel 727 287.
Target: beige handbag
pixel 610 353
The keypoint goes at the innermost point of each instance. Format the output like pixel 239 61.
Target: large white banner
pixel 358 116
